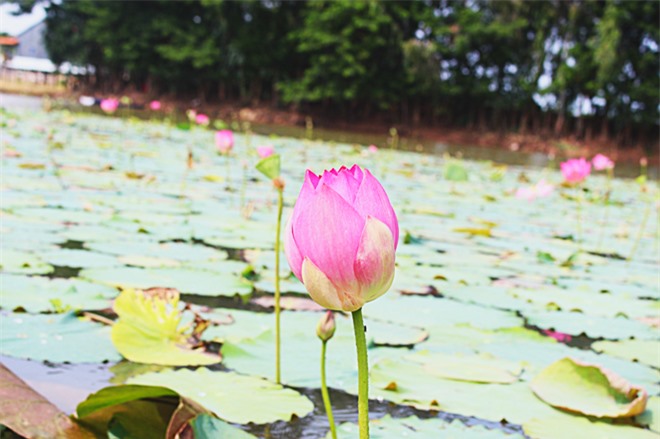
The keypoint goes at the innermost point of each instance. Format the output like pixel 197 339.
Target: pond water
pixel 490 288
pixel 417 144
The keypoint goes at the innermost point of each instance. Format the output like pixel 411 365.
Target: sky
pixel 14 25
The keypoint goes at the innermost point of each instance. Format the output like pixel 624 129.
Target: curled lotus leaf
pixel 589 389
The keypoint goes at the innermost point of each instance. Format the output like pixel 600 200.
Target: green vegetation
pixel 587 69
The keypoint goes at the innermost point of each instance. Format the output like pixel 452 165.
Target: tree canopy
pixel 581 67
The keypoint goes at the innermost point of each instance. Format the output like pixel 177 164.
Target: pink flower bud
pixel 109 105
pixel 265 151
pixel 202 119
pixel 575 170
pixel 224 141
pixel 341 238
pixel 373 149
pixel 155 105
pixel 602 162
pixel 325 329
pixel 540 190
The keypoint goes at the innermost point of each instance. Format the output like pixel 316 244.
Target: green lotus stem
pixel 363 374
pixel 243 186
pixel 579 218
pixel 607 205
pixel 227 168
pixel 326 395
pixel 640 232
pixel 280 204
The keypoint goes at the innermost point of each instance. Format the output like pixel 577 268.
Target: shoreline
pixel 416 138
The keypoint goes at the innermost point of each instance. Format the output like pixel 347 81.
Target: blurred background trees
pixel 578 67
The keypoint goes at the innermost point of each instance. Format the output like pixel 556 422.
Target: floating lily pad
pixel 260 401
pixel 409 383
pixel 186 280
pixel 593 326
pixel 39 294
pixel 13 261
pixel 56 338
pixel 78 258
pixel 643 351
pixel 651 415
pixel 249 346
pixel 560 426
pixel 588 389
pixel 411 427
pixel 149 331
pixel 210 427
pixel 431 311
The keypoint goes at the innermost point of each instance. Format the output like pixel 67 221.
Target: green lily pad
pixel 260 401
pixel 210 427
pixel 248 346
pixel 593 326
pixel 643 351
pixel 78 258
pixel 411 427
pixel 186 280
pixel 409 383
pixel 137 411
pixel 39 294
pixel 430 311
pixel 13 261
pixel 560 426
pixel 149 331
pixel 478 369
pixel 55 338
pixel 651 415
pixel 588 389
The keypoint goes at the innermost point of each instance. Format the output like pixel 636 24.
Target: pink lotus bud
pixel 575 170
pixel 202 119
pixel 543 189
pixel 109 105
pixel 373 149
pixel 341 238
pixel 224 141
pixel 325 329
pixel 602 162
pixel 155 105
pixel 265 151
pixel 540 190
pixel 526 193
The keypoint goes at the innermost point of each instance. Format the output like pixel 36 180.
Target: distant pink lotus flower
pixel 224 141
pixel 575 170
pixel 155 105
pixel 109 105
pixel 602 162
pixel 559 336
pixel 191 114
pixel 372 149
pixel 540 190
pixel 265 151
pixel 202 119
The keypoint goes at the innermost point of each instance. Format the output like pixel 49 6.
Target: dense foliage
pixel 588 68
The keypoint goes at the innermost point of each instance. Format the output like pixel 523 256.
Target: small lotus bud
pixel 326 326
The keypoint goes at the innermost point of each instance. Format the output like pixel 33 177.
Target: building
pixel 25 58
